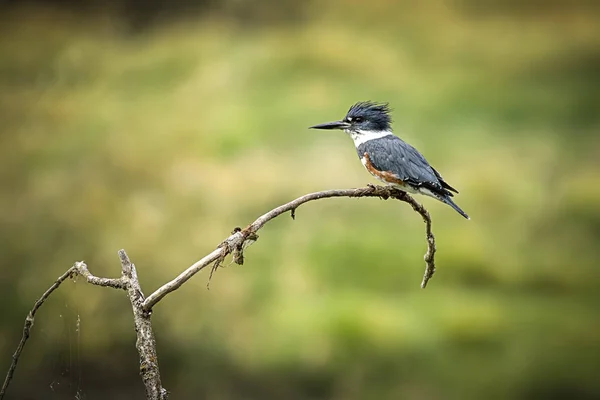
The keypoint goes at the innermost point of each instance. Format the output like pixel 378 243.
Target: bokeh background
pixel 160 126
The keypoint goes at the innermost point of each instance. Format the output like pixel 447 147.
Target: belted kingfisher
pixel 389 158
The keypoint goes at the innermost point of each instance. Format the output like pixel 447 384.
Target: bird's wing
pixel 391 154
pixel 445 184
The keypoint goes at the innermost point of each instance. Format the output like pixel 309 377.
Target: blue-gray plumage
pixel 389 158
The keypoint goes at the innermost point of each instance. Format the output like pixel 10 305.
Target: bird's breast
pixel 385 176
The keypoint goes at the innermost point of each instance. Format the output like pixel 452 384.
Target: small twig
pixel 79 268
pixel 236 241
pixel 219 261
pixel 29 323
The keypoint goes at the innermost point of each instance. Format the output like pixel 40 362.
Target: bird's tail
pixel 448 200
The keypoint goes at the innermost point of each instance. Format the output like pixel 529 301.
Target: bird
pixel 389 158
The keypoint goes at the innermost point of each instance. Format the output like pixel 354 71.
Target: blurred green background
pixel 158 127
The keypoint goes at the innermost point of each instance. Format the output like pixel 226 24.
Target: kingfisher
pixel 387 157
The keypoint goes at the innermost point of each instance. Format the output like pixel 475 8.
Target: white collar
pixel 361 137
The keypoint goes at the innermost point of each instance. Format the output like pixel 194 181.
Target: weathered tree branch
pixel 79 268
pixel 27 328
pixel 116 283
pixel 145 343
pixel 239 238
pixel 234 244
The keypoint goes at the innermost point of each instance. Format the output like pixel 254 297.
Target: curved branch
pixel 240 237
pixel 79 268
pixel 29 323
pixel 235 245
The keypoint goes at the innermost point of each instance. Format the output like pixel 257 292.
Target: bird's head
pixel 362 118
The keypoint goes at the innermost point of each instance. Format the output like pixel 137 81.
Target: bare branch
pixel 116 283
pixel 79 268
pixel 145 343
pixel 236 241
pixel 430 254
pixel 234 244
pixel 29 323
pixel 29 320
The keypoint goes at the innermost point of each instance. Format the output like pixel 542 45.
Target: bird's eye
pixel 358 119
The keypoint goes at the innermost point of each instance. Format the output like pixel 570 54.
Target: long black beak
pixel 332 125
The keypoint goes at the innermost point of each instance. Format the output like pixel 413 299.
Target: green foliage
pixel 162 143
